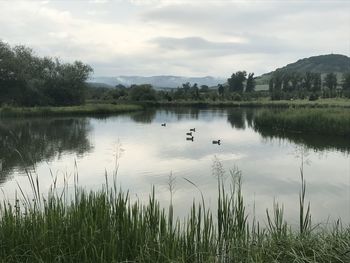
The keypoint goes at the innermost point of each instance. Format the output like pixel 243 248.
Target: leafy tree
pixel 186 86
pixel 275 86
pixel 346 81
pixel 286 87
pixel 68 86
pixel 236 82
pixel 204 88
pixel 250 86
pixel 295 79
pixel 316 82
pixel 346 84
pixel 330 82
pixel 26 79
pixel 194 91
pixel 221 90
pixel 308 81
pixel 144 92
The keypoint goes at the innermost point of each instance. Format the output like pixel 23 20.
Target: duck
pixel 163 124
pixel 189 133
pixel 217 142
pixel 193 130
pixel 189 138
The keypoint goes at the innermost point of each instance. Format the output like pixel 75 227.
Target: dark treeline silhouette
pixel 288 85
pixel 283 85
pixel 29 80
pixel 239 89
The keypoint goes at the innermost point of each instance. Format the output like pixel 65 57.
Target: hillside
pixel 317 64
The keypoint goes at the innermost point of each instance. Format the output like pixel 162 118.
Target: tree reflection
pixel 312 141
pixel 236 118
pixel 23 143
pixel 146 116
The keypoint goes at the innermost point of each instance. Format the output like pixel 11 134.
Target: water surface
pixel 270 162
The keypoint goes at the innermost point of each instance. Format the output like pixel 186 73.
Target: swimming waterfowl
pixel 193 130
pixel 189 139
pixel 163 124
pixel 189 133
pixel 217 142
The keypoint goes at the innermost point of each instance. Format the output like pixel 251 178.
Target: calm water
pixel 269 162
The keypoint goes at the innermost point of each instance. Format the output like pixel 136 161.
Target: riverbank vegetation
pixel 105 226
pixel 317 121
pixel 88 109
pixel 283 86
pixel 29 80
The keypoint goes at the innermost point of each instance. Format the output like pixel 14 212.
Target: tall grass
pixel 105 226
pixel 261 102
pixel 318 121
pixel 88 109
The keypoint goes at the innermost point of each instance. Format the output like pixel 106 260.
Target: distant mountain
pixel 157 81
pixel 318 64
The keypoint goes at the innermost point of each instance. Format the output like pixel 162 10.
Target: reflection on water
pixel 23 143
pixel 312 141
pixel 267 159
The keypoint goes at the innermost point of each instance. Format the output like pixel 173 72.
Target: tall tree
pixel 346 84
pixel 316 82
pixel 330 82
pixel 307 82
pixel 250 86
pixel 221 90
pixel 26 79
pixel 236 82
pixel 204 88
pixel 346 81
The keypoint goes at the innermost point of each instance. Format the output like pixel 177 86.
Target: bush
pixel 313 97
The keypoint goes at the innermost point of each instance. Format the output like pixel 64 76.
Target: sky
pixel 178 37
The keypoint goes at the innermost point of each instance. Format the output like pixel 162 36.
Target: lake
pixel 148 153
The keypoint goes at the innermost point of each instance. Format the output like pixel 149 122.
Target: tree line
pixel 29 80
pixel 239 86
pixel 288 85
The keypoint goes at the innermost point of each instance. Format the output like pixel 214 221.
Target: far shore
pixel 115 107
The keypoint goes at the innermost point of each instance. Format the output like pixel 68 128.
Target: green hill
pixel 318 64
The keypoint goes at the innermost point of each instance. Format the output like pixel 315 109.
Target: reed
pixel 89 109
pixel 318 121
pixel 106 226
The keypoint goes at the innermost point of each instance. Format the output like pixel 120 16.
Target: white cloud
pixel 178 37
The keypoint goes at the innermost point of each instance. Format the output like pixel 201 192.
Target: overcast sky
pixel 178 37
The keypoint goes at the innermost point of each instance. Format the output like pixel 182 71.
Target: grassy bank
pixel 106 226
pixel 317 121
pixel 88 109
pixel 110 107
pixel 321 103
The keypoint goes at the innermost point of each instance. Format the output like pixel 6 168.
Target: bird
pixel 217 142
pixel 163 124
pixel 189 139
pixel 193 130
pixel 189 133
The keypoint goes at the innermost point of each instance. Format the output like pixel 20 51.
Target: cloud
pixel 252 45
pixel 176 36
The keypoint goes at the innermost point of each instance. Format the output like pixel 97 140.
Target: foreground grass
pixel 318 121
pixel 88 109
pixel 106 226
